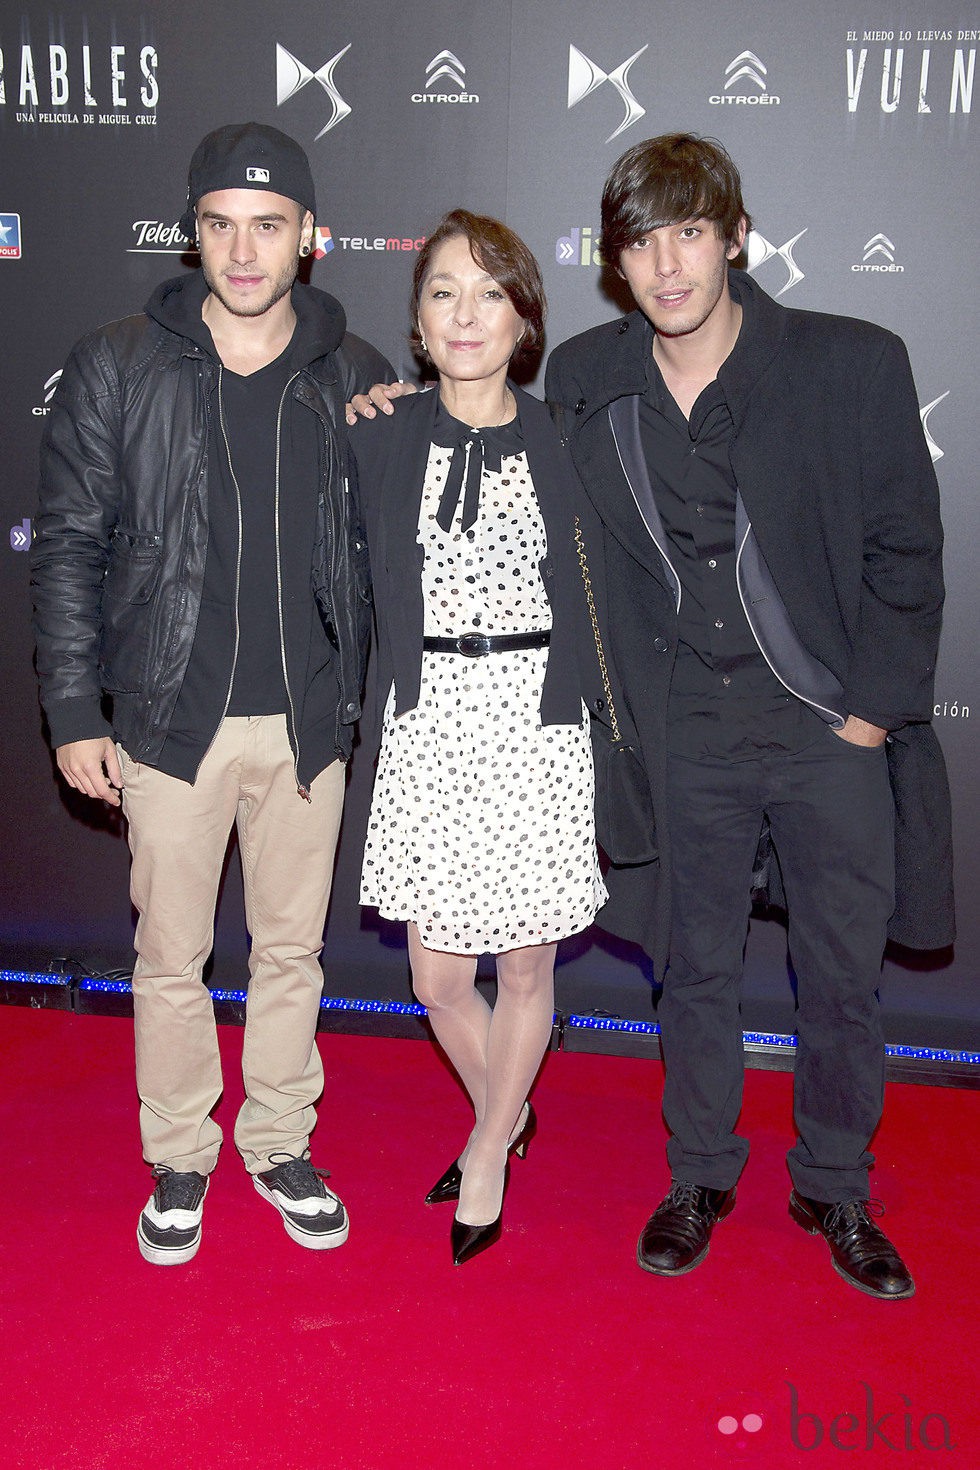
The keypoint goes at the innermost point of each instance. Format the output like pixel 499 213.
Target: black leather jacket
pixel 121 534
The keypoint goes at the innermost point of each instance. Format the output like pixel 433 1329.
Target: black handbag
pixel 624 819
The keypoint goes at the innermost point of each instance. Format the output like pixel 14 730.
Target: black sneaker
pixel 312 1214
pixel 169 1230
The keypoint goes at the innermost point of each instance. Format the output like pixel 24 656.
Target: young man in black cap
pixel 198 567
pixel 766 557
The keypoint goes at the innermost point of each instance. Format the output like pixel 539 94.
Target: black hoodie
pixel 257 625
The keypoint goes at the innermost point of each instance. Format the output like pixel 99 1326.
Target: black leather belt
pixel 476 645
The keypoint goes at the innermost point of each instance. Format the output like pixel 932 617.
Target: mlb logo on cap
pixel 257 175
pixel 10 237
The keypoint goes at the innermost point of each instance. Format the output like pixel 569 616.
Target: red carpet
pixel 552 1349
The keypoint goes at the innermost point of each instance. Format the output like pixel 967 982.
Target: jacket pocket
pixel 362 566
pixel 127 608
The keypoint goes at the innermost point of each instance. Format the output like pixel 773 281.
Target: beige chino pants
pixel 178 836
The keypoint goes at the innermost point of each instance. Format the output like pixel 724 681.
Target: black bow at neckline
pixel 472 450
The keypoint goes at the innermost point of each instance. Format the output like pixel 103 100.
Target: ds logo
pixel 758 250
pixel 584 77
pixel 934 450
pixel 41 410
pixel 292 75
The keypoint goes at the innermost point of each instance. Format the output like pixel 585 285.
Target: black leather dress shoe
pixel 860 1252
pixel 675 1238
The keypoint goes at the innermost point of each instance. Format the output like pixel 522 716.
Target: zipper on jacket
pixel 333 533
pixel 303 790
pixel 333 553
pixel 238 558
pixel 150 723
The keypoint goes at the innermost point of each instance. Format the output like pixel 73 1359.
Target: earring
pixel 422 345
pixel 304 250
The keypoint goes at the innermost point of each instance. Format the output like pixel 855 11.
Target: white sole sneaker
pixel 170 1237
pixel 307 1221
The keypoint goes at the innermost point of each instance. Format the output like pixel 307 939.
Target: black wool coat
pixel 834 473
pixel 391 455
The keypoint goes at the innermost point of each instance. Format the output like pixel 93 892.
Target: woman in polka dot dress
pixel 481 831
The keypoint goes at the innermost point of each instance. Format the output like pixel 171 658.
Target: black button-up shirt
pixel 725 701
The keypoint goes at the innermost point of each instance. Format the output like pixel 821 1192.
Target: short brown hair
pixel 665 180
pixel 504 256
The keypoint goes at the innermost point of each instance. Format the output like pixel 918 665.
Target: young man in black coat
pixel 766 556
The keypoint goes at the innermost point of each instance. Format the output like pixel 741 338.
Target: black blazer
pixel 836 479
pixel 391 454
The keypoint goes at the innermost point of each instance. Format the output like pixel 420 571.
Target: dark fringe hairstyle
pixel 664 181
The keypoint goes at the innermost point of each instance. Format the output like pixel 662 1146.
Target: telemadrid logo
pixel 746 67
pixel 292 75
pixel 758 250
pixel 584 77
pixel 879 245
pixel 384 243
pixel 445 65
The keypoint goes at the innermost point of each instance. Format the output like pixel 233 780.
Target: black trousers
pixel 832 819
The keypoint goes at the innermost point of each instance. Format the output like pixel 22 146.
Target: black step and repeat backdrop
pixel 853 123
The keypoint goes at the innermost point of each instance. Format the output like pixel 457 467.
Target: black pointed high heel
pixel 522 1142
pixel 447 1188
pixel 468 1241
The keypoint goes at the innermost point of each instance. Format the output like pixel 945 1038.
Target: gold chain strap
pixel 583 563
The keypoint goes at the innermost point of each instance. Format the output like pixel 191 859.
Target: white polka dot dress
pixel 481 827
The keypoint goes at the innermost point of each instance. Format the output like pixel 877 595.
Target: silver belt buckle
pixel 473 645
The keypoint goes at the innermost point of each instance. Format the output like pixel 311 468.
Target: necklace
pixel 506 414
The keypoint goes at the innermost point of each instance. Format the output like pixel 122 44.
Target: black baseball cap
pixel 247 156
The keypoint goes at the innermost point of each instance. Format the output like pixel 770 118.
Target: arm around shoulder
pixel 361 366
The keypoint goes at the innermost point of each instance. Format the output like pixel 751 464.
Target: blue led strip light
pixel 931 1054
pixel 613 1023
pixel 400 1008
pixel 766 1038
pixel 27 977
pixel 336 1003
pixel 376 1007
